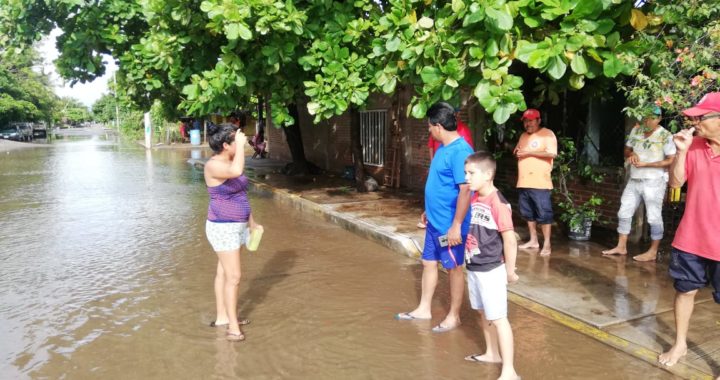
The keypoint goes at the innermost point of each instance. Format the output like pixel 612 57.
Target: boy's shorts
pixel 488 292
pixel 449 257
pixel 535 205
pixel 226 236
pixel 692 272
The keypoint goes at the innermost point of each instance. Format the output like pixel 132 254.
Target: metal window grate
pixel 373 132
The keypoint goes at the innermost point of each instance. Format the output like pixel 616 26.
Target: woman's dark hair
pixel 219 134
pixel 444 114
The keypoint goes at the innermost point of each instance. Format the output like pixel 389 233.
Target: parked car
pixel 26 129
pixel 17 132
pixel 11 133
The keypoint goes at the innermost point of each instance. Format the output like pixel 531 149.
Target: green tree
pixel 681 60
pixel 72 111
pixel 103 110
pixel 25 94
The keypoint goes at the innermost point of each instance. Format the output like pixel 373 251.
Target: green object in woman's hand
pixel 254 240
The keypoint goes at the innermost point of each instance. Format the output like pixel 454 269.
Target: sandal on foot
pixel 241 322
pixel 408 317
pixel 232 337
pixel 476 358
pixel 441 329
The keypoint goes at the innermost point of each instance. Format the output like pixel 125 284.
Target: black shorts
pixel 535 205
pixel 692 272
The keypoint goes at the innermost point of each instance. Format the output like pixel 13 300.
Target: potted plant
pixel 578 216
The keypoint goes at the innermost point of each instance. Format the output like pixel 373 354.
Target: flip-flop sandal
pixel 474 358
pixel 232 337
pixel 442 329
pixel 241 322
pixel 408 317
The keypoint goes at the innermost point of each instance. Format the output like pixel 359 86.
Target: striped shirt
pixel 229 201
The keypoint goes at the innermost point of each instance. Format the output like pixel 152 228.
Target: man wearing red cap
pixel 535 152
pixel 696 247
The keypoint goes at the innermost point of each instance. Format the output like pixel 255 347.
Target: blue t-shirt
pixel 447 173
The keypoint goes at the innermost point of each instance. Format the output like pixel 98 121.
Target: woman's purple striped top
pixel 229 201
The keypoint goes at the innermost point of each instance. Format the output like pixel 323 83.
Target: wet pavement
pixel 623 303
pixel 105 272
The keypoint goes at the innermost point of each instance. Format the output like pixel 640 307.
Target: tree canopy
pixel 25 94
pixel 208 56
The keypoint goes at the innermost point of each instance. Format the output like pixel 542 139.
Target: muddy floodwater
pixel 105 273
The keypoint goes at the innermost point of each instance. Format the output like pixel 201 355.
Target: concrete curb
pixel 393 241
pixel 680 369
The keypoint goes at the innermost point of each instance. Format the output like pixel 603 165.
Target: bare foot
pixel 449 323
pixel 647 256
pixel 546 251
pixel 484 358
pixel 672 356
pixel 529 245
pixel 615 251
pixel 512 376
pixel 418 314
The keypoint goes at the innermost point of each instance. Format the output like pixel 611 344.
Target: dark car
pixel 12 132
pixel 17 132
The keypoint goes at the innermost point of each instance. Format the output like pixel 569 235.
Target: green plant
pixel 569 166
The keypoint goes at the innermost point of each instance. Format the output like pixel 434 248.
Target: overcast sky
pixel 87 93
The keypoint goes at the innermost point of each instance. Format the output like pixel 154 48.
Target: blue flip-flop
pixel 408 317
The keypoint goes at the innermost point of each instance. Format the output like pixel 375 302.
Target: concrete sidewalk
pixel 622 303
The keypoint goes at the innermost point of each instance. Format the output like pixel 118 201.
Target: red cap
pixel 530 114
pixel 709 103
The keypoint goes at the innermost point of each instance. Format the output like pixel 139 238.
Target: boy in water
pixel 490 253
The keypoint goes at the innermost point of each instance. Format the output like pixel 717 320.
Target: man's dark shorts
pixel 535 205
pixel 692 272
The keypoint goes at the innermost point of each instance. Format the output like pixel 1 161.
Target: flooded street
pixel 105 272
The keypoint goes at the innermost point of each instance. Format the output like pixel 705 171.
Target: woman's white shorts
pixel 226 236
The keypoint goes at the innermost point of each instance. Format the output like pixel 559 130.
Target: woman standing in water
pixel 228 220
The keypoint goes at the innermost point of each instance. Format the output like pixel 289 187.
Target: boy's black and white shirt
pixel 490 217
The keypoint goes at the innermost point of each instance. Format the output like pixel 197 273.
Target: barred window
pixel 373 132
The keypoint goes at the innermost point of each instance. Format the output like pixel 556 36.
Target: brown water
pixel 105 273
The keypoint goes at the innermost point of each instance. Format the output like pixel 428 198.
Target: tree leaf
pixel 426 23
pixel 431 75
pixel 556 67
pixel 419 110
pixel 392 44
pixel 578 64
pixel 389 86
pixel 577 81
pixel 482 93
pixel 612 67
pixel 457 5
pixel 503 111
pixel 473 17
pixel 532 22
pixel 638 19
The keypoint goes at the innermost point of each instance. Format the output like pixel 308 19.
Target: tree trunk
pixel 299 164
pixel 357 151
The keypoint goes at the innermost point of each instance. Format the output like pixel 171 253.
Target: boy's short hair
pixel 444 114
pixel 484 161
